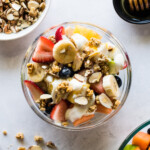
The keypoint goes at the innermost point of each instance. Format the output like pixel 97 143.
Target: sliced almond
pixel 35 147
pixel 95 77
pixel 81 100
pixel 77 63
pixel 69 31
pixel 33 4
pixel 79 77
pixel 10 17
pixel 16 6
pixel 104 100
pixel 45 96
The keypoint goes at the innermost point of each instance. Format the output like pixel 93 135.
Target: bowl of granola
pixel 76 76
pixel 19 18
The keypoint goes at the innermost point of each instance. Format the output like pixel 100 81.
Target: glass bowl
pixel 125 75
pixel 143 127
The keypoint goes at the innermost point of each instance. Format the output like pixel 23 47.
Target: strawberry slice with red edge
pixel 35 91
pixel 59 110
pixel 59 33
pixel 98 87
pixel 44 51
pixel 125 65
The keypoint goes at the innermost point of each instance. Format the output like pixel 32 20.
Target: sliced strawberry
pixel 59 33
pixel 98 87
pixel 102 109
pixel 59 110
pixel 125 65
pixel 43 51
pixel 82 120
pixel 36 92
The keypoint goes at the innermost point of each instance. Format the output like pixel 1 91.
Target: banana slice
pixel 64 51
pixel 79 40
pixel 104 100
pixel 35 72
pixel 110 86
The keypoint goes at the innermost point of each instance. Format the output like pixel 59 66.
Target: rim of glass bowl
pixel 130 136
pixel 30 101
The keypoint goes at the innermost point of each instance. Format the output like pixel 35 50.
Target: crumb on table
pixel 38 138
pixel 20 136
pixel 5 132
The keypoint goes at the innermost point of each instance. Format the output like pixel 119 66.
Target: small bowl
pixel 124 74
pixel 13 36
pixel 143 127
pixel 121 11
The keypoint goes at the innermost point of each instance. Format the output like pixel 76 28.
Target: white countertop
pixel 16 115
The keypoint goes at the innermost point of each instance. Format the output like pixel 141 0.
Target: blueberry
pixel 119 81
pixel 66 72
pixel 148 131
pixel 49 108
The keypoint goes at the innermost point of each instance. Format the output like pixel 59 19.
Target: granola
pixel 38 138
pixel 20 136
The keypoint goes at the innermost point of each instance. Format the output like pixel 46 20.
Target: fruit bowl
pixel 125 75
pixel 142 128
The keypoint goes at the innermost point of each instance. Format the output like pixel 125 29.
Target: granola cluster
pixel 62 90
pixel 16 15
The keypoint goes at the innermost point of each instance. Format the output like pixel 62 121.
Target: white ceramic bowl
pixel 13 36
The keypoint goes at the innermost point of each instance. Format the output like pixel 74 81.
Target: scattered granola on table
pixel 20 136
pixel 38 138
pixel 51 145
pixel 21 148
pixel 80 75
pixel 5 132
pixel 16 15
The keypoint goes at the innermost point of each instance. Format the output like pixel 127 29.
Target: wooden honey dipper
pixel 137 5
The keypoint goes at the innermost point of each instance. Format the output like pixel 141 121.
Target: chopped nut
pixel 52 38
pixel 92 108
pixel 55 67
pixel 96 67
pixel 50 145
pixel 20 136
pixel 89 93
pixel 116 103
pixel 65 124
pixel 21 148
pixel 94 42
pixel 88 64
pixel 38 138
pixel 35 147
pixel 30 68
pixel 5 132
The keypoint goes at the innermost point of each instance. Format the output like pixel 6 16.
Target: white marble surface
pixel 16 115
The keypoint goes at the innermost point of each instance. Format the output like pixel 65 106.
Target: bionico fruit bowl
pixel 65 111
